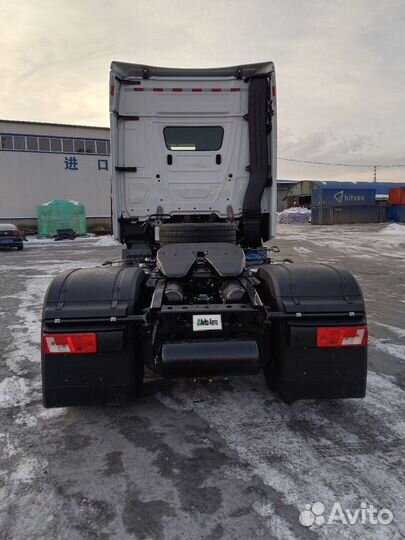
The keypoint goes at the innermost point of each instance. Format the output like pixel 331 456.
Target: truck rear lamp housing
pixel 342 336
pixel 69 343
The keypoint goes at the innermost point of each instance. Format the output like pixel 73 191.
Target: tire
pixel 181 233
pixel 20 247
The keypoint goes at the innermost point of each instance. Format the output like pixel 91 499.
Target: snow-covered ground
pixel 221 459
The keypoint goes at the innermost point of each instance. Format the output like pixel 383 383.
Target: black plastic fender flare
pixel 94 292
pixel 310 288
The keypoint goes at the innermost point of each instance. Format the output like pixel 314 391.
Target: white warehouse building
pixel 40 162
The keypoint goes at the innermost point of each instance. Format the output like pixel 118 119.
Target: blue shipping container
pixel 343 197
pixel 396 213
pixel 329 215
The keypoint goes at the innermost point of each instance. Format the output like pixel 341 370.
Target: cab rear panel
pixel 190 144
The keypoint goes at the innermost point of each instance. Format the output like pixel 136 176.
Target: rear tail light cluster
pixel 342 336
pixel 69 343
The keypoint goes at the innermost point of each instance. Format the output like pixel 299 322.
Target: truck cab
pixel 193 146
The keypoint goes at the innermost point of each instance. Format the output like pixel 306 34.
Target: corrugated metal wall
pixel 335 206
pixel 30 178
pixel 329 215
pixel 396 213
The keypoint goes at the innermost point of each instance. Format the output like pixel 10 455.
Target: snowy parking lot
pixel 220 459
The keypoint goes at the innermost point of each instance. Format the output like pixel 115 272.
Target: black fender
pixel 313 296
pixel 311 288
pixel 105 291
pixel 93 300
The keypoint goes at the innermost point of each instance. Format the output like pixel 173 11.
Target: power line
pixel 341 164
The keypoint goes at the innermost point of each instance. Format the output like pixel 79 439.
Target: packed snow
pixel 107 241
pixel 295 215
pixel 394 229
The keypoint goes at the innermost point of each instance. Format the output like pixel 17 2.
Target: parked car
pixel 11 236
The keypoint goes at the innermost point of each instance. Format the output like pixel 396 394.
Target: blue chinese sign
pixel 71 164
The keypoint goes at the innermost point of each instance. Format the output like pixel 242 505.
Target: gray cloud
pixel 340 66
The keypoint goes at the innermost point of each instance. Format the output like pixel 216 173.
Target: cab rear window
pixel 193 138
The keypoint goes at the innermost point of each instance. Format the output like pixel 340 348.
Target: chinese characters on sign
pixel 102 164
pixel 72 164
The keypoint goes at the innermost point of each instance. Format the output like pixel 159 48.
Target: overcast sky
pixel 340 66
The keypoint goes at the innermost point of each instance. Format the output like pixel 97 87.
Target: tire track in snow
pixel 311 451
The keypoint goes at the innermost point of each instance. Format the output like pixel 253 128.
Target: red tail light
pixel 18 233
pixel 69 343
pixel 342 336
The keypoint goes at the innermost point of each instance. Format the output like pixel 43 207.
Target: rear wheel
pixel 181 233
pixel 20 247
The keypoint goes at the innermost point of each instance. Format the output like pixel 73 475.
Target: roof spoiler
pixel 125 71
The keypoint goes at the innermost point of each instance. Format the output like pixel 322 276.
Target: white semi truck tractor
pixel 196 293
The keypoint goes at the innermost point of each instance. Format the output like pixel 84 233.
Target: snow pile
pixel 295 215
pixel 35 241
pixel 394 228
pixel 106 241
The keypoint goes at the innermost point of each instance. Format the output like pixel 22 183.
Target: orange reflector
pixel 342 336
pixel 69 343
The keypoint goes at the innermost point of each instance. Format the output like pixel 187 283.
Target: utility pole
pixel 375 173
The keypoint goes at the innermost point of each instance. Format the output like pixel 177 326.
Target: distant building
pixel 40 162
pixel 283 187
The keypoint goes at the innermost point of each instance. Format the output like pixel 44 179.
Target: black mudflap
pixel 93 301
pixel 312 297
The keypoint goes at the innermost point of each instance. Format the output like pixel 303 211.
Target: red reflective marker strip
pixel 177 89
pixel 138 89
pixel 158 89
pixel 112 90
pixel 235 89
pixel 342 336
pixel 216 89
pixel 196 89
pixel 69 343
pixel 273 91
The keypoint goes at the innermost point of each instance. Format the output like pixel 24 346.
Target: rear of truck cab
pixel 182 147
